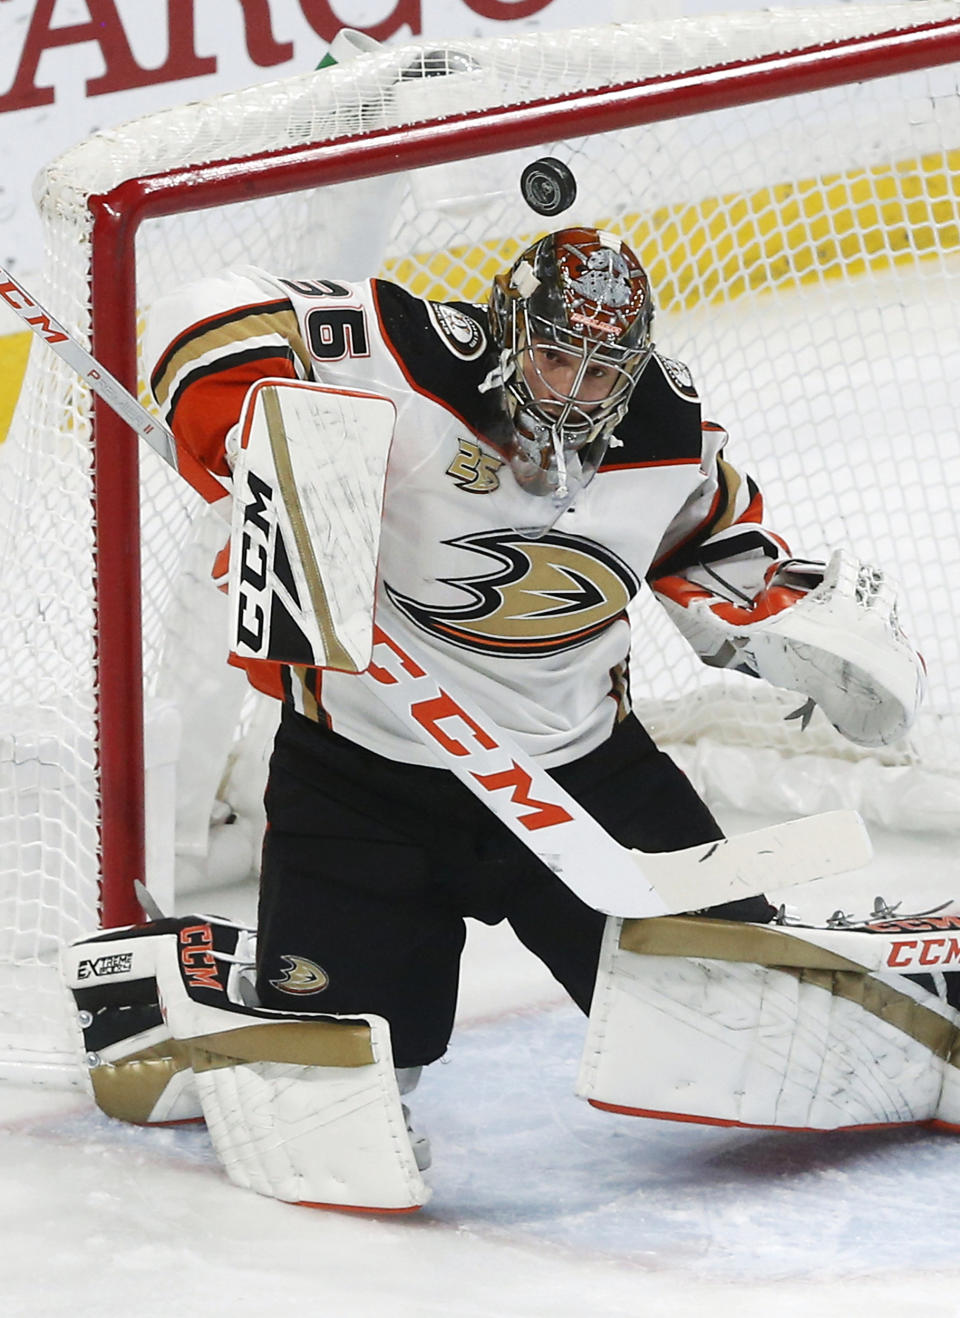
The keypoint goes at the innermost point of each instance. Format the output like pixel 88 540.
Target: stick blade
pixel 767 859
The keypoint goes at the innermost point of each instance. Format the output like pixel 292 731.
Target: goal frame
pixel 118 214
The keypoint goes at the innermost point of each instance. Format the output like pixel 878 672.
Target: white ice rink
pixel 541 1205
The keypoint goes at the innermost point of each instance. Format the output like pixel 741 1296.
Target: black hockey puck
pixel 548 186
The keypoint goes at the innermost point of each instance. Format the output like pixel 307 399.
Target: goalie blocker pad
pixel 777 1027
pixel 308 485
pixel 302 1108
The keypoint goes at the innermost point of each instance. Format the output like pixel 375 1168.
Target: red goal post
pixel 821 222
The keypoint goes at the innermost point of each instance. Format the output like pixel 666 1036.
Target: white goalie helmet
pixel 573 320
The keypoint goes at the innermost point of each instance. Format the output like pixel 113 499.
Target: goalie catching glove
pixel 829 632
pixel 302 1108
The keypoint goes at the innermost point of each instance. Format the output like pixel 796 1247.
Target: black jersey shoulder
pixel 444 350
pixel 663 420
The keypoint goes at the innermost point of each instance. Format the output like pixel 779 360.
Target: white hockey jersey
pixel 533 627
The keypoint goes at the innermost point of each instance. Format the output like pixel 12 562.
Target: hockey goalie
pixel 546 463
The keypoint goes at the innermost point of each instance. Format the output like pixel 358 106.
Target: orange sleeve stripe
pixel 754 510
pixel 236 326
pixel 197 474
pixel 263 674
pixel 210 403
pixel 656 462
pixel 680 590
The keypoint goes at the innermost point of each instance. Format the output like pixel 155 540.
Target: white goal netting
pixel 803 251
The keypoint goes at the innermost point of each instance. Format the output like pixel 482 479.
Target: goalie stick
pixel 607 876
pixel 107 386
pixel 610 877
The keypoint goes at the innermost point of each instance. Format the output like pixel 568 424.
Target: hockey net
pixel 802 236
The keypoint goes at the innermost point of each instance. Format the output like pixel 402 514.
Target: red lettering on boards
pixel 506 10
pixel 122 72
pixel 326 24
pixel 105 29
pixel 262 47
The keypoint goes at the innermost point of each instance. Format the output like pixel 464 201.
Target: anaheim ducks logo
pixel 462 336
pixel 546 595
pixel 300 976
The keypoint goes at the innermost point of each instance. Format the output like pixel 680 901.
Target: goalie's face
pixel 560 379
pixel 573 322
pixel 566 397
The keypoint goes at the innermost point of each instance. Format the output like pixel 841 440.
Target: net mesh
pixel 802 251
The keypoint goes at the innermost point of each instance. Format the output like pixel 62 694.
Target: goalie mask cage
pixel 788 178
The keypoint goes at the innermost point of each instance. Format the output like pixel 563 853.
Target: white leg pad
pixel 304 1110
pixel 732 1024
pixel 948 1113
pixel 138 1072
pixel 328 1136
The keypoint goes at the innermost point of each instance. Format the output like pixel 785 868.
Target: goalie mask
pixel 572 319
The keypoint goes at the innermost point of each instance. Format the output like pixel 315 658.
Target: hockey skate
pixel 407 1080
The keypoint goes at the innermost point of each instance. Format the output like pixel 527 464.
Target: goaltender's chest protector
pixel 455 563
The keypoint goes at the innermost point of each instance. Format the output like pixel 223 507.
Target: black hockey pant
pixel 370 866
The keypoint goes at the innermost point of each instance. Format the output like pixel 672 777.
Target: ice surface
pixel 541 1206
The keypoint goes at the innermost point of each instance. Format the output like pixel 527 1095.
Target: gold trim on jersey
pixel 308 705
pixel 731 480
pixel 620 689
pixel 231 333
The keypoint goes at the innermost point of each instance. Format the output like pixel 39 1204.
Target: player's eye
pixel 551 356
